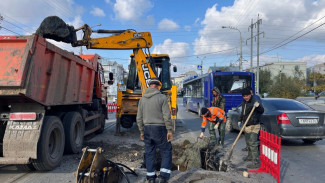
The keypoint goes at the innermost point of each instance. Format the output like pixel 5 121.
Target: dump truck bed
pixel 36 70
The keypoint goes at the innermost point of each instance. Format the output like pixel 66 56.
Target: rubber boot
pixel 249 156
pixel 253 146
pixel 222 132
pixel 212 132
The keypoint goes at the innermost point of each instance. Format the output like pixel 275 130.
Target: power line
pixel 297 32
pixel 292 39
pixel 8 30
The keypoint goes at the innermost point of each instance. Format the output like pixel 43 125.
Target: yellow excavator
pixel 128 95
pixel 93 167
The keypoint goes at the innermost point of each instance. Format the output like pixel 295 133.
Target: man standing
pixel 216 116
pixel 257 98
pixel 155 126
pixel 219 101
pixel 252 127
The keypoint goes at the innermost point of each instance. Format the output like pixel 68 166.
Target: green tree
pixel 285 87
pixel 319 80
pixel 265 81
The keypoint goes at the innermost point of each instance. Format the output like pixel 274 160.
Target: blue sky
pixel 188 30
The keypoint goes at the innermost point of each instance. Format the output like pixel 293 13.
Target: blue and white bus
pixel 197 89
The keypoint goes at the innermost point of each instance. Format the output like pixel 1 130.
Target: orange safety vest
pixel 216 112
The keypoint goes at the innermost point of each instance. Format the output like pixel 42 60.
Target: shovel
pixel 223 163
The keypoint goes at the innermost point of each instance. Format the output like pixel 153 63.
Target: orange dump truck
pixel 49 99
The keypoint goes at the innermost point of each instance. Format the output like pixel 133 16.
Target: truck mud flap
pixel 21 138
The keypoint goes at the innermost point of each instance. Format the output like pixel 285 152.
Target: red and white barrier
pixel 111 107
pixel 270 146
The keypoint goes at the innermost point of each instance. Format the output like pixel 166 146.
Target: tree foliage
pixel 265 82
pixel 285 87
pixel 319 80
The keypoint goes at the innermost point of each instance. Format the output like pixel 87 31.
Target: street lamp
pixel 241 47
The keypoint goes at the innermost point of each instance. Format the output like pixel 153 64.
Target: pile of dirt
pixel 55 28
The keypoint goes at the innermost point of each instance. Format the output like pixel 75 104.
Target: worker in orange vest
pixel 216 116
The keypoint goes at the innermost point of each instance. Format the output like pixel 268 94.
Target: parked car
pixel 322 93
pixel 286 118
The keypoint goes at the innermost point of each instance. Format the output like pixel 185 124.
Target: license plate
pixel 308 121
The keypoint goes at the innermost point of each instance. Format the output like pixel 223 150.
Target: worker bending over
pixel 217 117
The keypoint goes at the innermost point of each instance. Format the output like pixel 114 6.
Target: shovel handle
pixel 241 131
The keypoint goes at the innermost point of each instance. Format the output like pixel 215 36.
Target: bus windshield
pixel 231 83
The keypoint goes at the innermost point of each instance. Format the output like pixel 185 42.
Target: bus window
pixel 232 83
pixel 238 85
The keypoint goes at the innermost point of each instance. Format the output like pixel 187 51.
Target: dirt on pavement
pixel 128 149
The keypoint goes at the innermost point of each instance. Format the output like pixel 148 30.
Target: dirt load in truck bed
pixel 55 28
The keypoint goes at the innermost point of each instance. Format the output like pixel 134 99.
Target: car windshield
pixel 284 105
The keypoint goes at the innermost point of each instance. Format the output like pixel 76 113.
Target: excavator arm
pixel 122 40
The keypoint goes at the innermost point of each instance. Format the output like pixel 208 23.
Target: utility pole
pixel 251 29
pixel 257 24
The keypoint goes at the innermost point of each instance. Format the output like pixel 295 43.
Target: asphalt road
pixel 300 163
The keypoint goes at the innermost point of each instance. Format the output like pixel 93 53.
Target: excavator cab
pixel 160 63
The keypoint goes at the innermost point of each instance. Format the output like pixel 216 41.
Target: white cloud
pixel 130 10
pixel 97 12
pixel 280 20
pixel 167 25
pixel 107 1
pixel 312 59
pixel 29 14
pixel 174 49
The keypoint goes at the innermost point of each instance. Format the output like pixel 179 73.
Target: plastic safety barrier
pixel 270 146
pixel 111 107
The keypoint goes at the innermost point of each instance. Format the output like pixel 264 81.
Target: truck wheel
pixel 74 130
pixel 26 167
pixel 51 144
pixel 102 124
pixel 126 122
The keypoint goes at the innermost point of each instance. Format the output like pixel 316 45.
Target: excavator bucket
pixel 95 168
pixel 55 28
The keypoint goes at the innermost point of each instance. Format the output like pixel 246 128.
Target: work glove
pixel 257 104
pixel 142 137
pixel 201 135
pixel 239 124
pixel 169 137
pixel 216 126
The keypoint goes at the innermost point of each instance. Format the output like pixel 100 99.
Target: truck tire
pixel 74 130
pixel 102 124
pixel 26 167
pixel 126 122
pixel 51 144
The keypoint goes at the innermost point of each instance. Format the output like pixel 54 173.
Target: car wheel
pixel 74 128
pixel 309 141
pixel 229 127
pixel 51 144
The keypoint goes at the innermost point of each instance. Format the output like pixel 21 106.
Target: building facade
pixel 290 69
pixel 118 73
